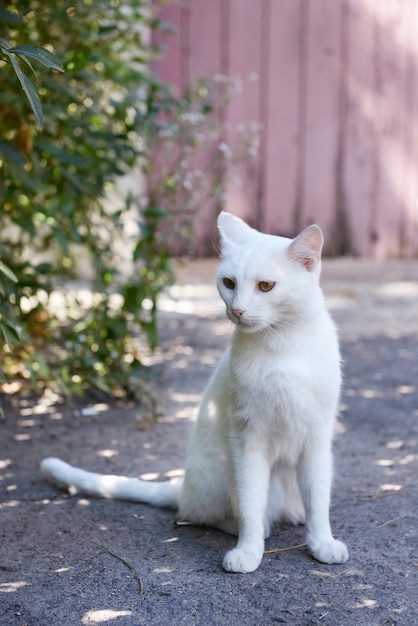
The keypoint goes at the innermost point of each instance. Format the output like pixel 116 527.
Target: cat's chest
pixel 262 378
pixel 253 367
pixel 280 386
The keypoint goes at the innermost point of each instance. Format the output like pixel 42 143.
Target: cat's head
pixel 268 282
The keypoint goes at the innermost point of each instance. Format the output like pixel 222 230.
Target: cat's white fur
pixel 260 450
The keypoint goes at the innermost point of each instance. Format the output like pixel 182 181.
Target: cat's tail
pixel 161 494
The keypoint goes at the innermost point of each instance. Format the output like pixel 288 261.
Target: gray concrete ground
pixel 75 560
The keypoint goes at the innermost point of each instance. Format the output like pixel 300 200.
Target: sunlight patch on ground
pixel 406 389
pixel 12 586
pixel 162 570
pixel 107 454
pixel 409 458
pixel 61 570
pixel 395 445
pixel 29 423
pixel 150 476
pixel 11 387
pixel 390 487
pixel 22 437
pixel 385 462
pixel 371 393
pixel 185 397
pixel 103 615
pixel 11 504
pixel 365 603
pixel 211 360
pixel 339 428
pixel 174 473
pixel 401 289
pixel 188 413
pixel 190 299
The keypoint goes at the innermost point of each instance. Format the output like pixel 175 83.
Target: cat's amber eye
pixel 265 285
pixel 229 283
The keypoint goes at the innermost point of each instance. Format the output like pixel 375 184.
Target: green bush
pixel 102 118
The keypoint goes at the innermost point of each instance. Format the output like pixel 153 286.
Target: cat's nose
pixel 237 313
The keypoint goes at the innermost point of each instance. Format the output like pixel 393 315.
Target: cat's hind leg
pixel 229 526
pixel 284 500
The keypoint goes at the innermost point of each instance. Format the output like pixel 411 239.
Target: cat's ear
pixel 306 249
pixel 232 229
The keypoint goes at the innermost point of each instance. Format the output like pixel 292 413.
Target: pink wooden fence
pixel 337 95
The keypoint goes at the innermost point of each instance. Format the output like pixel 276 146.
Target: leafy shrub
pixel 102 118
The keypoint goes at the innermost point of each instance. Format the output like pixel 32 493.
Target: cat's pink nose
pixel 237 313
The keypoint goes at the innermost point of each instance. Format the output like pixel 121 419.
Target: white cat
pixel 260 450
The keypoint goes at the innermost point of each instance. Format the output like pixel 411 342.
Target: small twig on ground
pixel 122 560
pixel 129 566
pixel 395 519
pixel 345 571
pixel 301 545
pixel 379 494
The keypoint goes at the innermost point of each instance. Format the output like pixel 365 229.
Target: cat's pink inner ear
pixel 307 247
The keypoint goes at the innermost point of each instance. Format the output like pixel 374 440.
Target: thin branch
pixel 395 519
pixel 121 559
pixel 301 545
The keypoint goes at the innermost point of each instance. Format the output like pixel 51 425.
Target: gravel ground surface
pixel 74 560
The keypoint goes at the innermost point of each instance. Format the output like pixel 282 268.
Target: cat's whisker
pixel 279 327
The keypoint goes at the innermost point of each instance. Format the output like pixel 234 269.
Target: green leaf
pixel 11 155
pixel 42 365
pixel 32 96
pixel 9 17
pixel 29 64
pixel 61 239
pixel 5 45
pixel 9 336
pixel 28 88
pixel 21 334
pixel 39 54
pixel 7 272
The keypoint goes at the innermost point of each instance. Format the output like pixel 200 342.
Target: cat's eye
pixel 266 285
pixel 229 283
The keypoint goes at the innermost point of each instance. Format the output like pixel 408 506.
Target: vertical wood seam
pixel 374 156
pixel 301 113
pixel 264 93
pixel 341 232
pixel 185 70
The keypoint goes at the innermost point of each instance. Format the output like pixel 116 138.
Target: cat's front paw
pixel 242 561
pixel 333 551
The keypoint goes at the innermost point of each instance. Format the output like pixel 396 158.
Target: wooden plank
pixel 169 68
pixel 244 66
pixel 360 150
pixel 205 38
pixel 336 146
pixel 409 226
pixel 205 59
pixel 282 37
pixel 322 115
pixel 390 61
